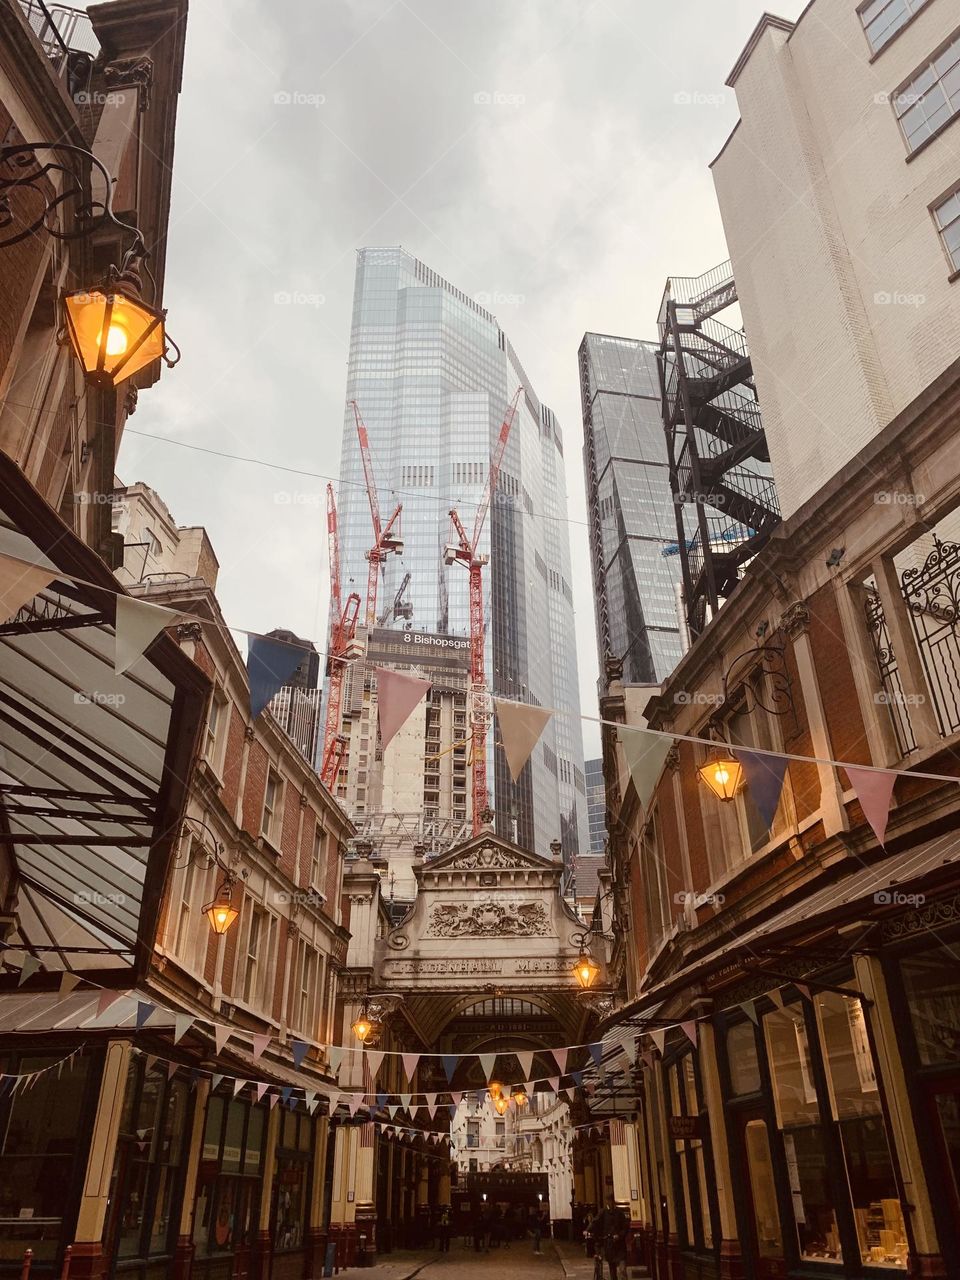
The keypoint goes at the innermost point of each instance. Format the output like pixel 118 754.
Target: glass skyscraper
pixel 432 373
pixel 633 533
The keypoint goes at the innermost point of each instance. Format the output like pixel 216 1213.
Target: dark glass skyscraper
pixel 632 528
pixel 432 373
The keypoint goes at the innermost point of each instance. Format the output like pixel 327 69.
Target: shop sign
pixel 684 1127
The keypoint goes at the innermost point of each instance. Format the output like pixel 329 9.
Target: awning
pixel 47 1012
pixel 93 766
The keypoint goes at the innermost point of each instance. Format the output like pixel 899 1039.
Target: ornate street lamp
pixel 365 1025
pixel 221 912
pixel 519 1096
pixel 501 1103
pixel 586 970
pixel 113 332
pixel 722 773
pixel 495 1088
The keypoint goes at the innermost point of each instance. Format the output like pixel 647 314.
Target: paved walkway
pixel 464 1264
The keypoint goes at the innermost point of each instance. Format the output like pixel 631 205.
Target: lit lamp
pixel 586 970
pixel 114 333
pixel 495 1088
pixel 501 1103
pixel 722 773
pixel 364 1026
pixel 221 912
pixel 520 1097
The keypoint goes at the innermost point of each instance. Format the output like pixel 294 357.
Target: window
pixel 216 733
pixel 882 19
pixel 292 1181
pixel 270 824
pixel 947 217
pixel 318 856
pixel 229 1182
pixel 251 952
pixel 304 990
pixel 931 98
pixel 689 1119
pixel 257 952
pixel 186 922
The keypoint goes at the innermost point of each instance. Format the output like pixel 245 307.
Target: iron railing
pixel 61 31
pixel 892 694
pixel 708 293
pixel 932 596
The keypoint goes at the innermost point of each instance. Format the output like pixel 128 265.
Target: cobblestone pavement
pixel 519 1262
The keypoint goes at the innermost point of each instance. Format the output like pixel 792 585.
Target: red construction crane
pixel 465 553
pixel 386 542
pixel 343 630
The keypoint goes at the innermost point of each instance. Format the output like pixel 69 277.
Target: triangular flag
pixel 261 1090
pixel 145 1010
pixel 172 1069
pixel 689 1029
pixel 137 623
pixel 659 1038
pixel 554 1083
pixel 596 1052
pixel 29 967
pixel 107 998
pixel 577 1078
pixel 764 777
pixel 260 1043
pixel 875 792
pixel 560 1057
pixel 273 1100
pixel 525 1058
pixel 333 1099
pixel 68 982
pixel 776 996
pixel 286 1093
pixel 405 1100
pixel 487 1063
pixel 804 990
pixel 237 1086
pixel 392 1111
pixel 397 695
pixel 299 1049
pixel 270 665
pixel 312 1106
pixel 214 1082
pixel 450 1063
pixel 750 1009
pixel 520 728
pixel 182 1024
pixel 455 1098
pixel 19 583
pixel 335 1054
pixel 374 1058
pixel 645 754
pixel 571 1093
pixel 353 1106
pixel 221 1035
pixel 409 1061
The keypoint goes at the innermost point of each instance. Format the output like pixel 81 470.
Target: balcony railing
pixel 61 31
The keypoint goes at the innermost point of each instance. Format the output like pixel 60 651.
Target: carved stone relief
pixel 488 919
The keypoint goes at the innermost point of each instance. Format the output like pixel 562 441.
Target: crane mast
pixel 465 552
pixel 343 629
pixel 386 541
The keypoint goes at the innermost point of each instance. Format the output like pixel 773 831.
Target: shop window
pixel 688 1124
pixel 228 1185
pixel 291 1181
pixel 932 982
pixel 42 1151
pixel 804 1139
pixel 855 1102
pixel 743 1059
pixel 150 1148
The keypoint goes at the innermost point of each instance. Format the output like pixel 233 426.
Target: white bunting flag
pixel 182 1024
pixel 19 583
pixel 525 1058
pixel 645 754
pixel 520 728
pixel 397 696
pixel 138 622
pixel 374 1059
pixel 659 1038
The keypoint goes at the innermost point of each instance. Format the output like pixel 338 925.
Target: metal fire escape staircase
pixel 724 499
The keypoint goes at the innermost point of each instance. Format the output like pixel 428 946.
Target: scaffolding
pixel 725 503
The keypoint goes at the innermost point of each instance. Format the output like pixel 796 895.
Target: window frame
pixel 268 825
pixel 934 207
pixel 915 75
pixel 876 50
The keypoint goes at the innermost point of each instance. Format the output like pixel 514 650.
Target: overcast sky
pixel 552 154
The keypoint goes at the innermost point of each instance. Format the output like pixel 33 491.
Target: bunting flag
pixel 397 695
pixel 182 1024
pixel 29 967
pixel 455 1098
pixel 409 1061
pixel 374 1058
pixel 273 1100
pixel 19 583
pixel 221 1035
pixel 596 1052
pixel 776 996
pixel 689 1028
pixel 353 1106
pixel 571 1093
pixel 392 1111
pixel 488 1062
pixel 312 1105
pixel 804 990
pixel 405 1099
pixel 68 982
pixel 299 1049
pixel 525 1058
pixel 450 1063
pixel 172 1069
pixel 764 777
pixel 145 1010
pixel 286 1093
pixel 577 1078
pixel 750 1009
pixel 260 1043
pixel 335 1057
pixel 554 1083
pixel 261 1090
pixel 520 728
pixel 138 622
pixel 237 1086
pixel 560 1057
pixel 659 1038
pixel 875 792
pixel 333 1097
pixel 645 754
pixel 216 1080
pixel 107 998
pixel 270 665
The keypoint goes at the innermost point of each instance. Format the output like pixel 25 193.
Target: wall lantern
pixel 364 1026
pixel 722 773
pixel 501 1103
pixel 113 332
pixel 520 1097
pixel 586 970
pixel 495 1089
pixel 221 912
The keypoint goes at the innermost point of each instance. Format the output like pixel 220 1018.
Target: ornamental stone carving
pixel 488 919
pixel 485 860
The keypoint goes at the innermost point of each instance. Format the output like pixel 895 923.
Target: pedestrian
pixel 444 1227
pixel 541 1225
pixel 609 1233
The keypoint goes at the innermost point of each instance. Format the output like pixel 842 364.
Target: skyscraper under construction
pixel 432 374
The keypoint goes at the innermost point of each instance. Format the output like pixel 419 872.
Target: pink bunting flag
pixel 107 998
pixel 221 1035
pixel 19 583
pixel 409 1061
pixel 261 1090
pixel 397 696
pixel 874 790
pixel 804 990
pixel 374 1059
pixel 273 1100
pixel 455 1098
pixel 689 1028
pixel 525 1058
pixel 659 1038
pixel 554 1083
pixel 260 1043
pixel 520 728
pixel 560 1057
pixel 353 1106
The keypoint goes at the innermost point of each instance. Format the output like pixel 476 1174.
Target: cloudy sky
pixel 551 152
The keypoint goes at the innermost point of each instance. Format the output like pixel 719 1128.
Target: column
pixel 87 1259
pixel 669 1250
pixel 262 1245
pixel 625 1189
pixel 342 1228
pixel 183 1257
pixel 928 1260
pixel 316 1233
pixel 365 1205
pixel 731 1261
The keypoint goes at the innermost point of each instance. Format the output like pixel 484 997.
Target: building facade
pixel 596 806
pixel 852 105
pixel 633 530
pixel 432 373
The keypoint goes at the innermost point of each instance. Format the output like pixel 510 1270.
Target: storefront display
pixel 228 1184
pixel 688 1128
pixel 291 1181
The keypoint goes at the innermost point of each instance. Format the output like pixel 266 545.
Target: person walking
pixel 609 1233
pixel 541 1225
pixel 444 1229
